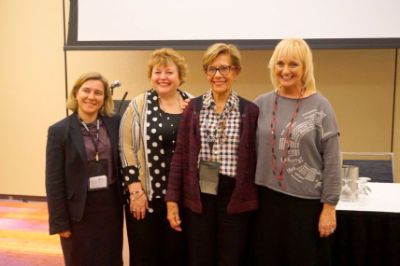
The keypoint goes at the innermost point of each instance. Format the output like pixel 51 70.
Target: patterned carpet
pixel 24 238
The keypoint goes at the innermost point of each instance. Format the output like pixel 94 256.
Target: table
pixel 368 230
pixel 384 197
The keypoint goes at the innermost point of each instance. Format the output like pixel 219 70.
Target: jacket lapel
pixel 76 137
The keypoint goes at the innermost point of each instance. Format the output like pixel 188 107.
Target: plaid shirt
pixel 220 133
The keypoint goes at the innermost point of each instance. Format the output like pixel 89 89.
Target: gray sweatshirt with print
pixel 313 163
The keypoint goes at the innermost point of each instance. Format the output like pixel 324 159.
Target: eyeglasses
pixel 223 70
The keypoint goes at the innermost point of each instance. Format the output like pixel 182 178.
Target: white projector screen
pixel 186 24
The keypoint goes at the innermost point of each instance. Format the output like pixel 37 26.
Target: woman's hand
pixel 185 103
pixel 138 199
pixel 65 234
pixel 327 220
pixel 173 216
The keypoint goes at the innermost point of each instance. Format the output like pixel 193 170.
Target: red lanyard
pixel 278 173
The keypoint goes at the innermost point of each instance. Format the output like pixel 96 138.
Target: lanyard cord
pixel 278 173
pixel 94 141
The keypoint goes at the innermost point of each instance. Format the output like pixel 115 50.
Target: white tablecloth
pixel 384 197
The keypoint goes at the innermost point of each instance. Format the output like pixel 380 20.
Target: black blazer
pixel 66 172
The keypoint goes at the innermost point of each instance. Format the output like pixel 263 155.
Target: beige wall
pixel 359 84
pixel 32 90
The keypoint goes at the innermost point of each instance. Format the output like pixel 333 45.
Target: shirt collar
pixel 231 104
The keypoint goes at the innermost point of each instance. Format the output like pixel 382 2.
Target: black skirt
pixel 286 231
pixel 97 238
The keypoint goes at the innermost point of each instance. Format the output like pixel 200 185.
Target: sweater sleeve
pixel 129 141
pixel 331 180
pixel 331 173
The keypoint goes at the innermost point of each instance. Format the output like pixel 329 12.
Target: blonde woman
pixel 82 177
pixel 298 163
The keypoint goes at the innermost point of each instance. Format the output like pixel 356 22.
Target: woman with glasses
pixel 212 171
pixel 148 133
pixel 298 164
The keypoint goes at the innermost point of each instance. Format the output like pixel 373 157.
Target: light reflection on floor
pixel 24 237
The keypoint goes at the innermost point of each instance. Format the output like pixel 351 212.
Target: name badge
pixel 97 182
pixel 97 171
pixel 209 177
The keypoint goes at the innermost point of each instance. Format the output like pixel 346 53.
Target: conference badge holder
pixel 209 177
pixel 97 170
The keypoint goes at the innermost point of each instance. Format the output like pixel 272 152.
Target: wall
pixel 32 90
pixel 359 83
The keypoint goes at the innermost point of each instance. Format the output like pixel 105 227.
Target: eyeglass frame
pixel 218 69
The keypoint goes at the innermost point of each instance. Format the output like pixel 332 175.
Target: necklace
pixel 276 170
pixel 177 106
pixel 169 118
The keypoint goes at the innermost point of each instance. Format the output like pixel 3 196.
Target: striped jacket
pixel 133 145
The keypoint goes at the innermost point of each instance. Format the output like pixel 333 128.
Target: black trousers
pixel 97 238
pixel 214 236
pixel 152 242
pixel 286 231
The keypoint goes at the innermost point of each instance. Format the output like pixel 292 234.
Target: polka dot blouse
pixel 162 130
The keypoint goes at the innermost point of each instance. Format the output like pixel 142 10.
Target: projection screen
pixel 252 24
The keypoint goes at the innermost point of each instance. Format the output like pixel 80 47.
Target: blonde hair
pixel 108 107
pixel 300 50
pixel 165 56
pixel 216 49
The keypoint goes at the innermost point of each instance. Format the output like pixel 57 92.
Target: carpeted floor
pixel 24 238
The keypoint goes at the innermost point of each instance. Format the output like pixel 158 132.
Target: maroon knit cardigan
pixel 183 181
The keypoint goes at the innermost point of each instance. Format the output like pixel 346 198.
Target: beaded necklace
pixel 276 170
